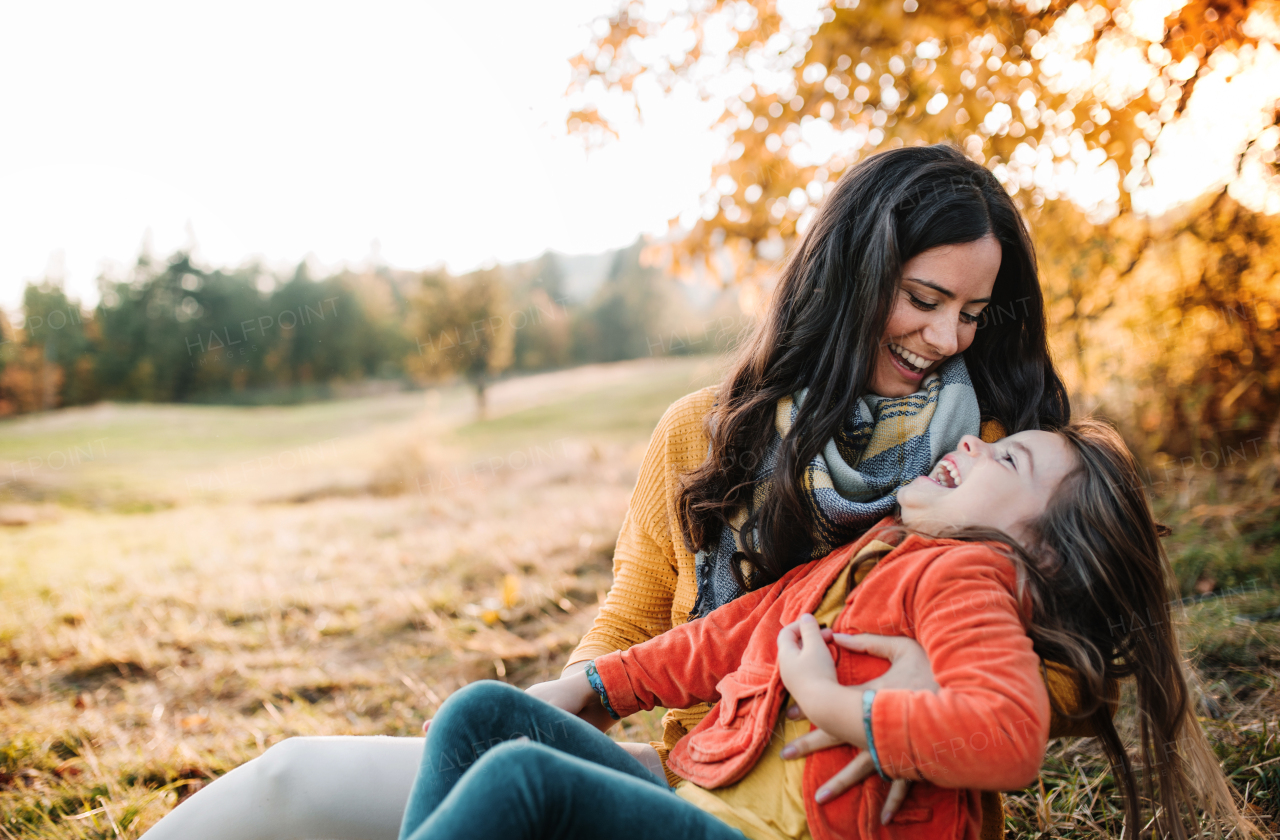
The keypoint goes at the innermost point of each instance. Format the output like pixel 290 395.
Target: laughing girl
pixel 1040 546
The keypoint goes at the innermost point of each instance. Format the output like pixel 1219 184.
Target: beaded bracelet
pixel 867 697
pixel 597 685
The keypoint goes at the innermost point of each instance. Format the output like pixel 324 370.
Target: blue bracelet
pixel 597 685
pixel 867 697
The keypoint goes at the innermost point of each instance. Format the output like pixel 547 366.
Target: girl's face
pixel 1005 485
pixel 935 314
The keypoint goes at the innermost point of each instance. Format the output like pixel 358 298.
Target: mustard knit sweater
pixel 655 585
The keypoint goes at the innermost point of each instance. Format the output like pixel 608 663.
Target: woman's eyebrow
pixel 945 292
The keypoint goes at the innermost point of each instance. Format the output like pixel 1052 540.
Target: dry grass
pixel 156 630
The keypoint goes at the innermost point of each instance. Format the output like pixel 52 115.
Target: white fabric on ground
pixel 321 788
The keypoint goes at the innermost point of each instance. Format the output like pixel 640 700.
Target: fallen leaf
pixel 510 591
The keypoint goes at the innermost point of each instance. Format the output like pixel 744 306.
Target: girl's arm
pixel 988 724
pixel 683 666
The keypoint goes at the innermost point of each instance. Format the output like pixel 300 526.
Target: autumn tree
pixel 1043 92
pixel 464 326
pixel 540 320
pixel 1170 324
pixel 1033 89
pixel 628 313
pixel 53 339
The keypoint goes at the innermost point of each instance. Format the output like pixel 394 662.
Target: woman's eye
pixel 1008 457
pixel 970 319
pixel 921 304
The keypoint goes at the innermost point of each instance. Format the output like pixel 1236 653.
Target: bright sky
pixel 287 129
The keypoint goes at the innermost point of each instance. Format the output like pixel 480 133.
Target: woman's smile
pixel 904 369
pixel 912 365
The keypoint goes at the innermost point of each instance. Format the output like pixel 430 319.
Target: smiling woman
pixel 944 292
pixel 871 362
pixel 887 288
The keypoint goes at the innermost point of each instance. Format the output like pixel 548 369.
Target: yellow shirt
pixel 768 803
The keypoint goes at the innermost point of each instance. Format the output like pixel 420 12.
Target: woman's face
pixel 1005 485
pixel 935 314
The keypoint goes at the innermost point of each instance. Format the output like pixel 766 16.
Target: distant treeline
pixel 175 331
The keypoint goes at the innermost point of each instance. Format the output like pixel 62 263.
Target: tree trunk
pixel 479 382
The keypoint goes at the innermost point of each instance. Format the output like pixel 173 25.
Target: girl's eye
pixel 1008 457
pixel 970 319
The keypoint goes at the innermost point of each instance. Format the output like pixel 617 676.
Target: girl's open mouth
pixel 946 474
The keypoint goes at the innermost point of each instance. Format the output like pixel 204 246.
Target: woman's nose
pixel 972 445
pixel 940 334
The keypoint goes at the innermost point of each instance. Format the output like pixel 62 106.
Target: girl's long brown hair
pixel 825 324
pixel 1100 586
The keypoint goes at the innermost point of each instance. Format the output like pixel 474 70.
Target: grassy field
pixel 183 586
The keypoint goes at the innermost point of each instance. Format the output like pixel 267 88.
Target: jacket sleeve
pixel 988 725
pixel 683 666
pixel 638 606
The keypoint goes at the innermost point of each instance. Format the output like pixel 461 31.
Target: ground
pixel 183 586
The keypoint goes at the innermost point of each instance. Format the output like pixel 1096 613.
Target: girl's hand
pixel 851 774
pixel 594 712
pixel 573 693
pixel 909 669
pixel 803 659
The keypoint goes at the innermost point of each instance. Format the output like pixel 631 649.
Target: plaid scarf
pixel 853 481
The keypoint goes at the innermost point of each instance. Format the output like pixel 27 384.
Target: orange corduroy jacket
pixel 986 728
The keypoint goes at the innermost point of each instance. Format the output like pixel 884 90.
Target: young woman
pixel 1007 552
pixel 909 316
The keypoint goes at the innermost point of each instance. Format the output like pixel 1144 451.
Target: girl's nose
pixel 972 445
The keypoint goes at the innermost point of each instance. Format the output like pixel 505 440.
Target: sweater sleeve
pixel 683 666
pixel 638 606
pixel 987 727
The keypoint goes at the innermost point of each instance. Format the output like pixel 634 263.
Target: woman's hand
pixel 909 666
pixel 909 669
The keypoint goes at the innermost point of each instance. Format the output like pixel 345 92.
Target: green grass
pixel 132 455
pixel 152 636
pixel 140 457
pixel 624 410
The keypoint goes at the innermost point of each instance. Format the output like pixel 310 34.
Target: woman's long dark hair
pixel 1100 586
pixel 824 326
